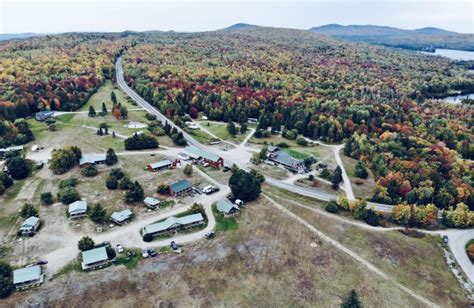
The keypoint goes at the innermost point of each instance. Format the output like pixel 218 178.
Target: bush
pixel 47 198
pixel 372 218
pixel 332 207
pixel 188 170
pixel 85 243
pixel 135 193
pixel 282 145
pixel 140 142
pixel 124 183
pixel 5 180
pixel 110 252
pixel 111 182
pixel 98 214
pixel 150 117
pixel 89 171
pixel 28 210
pixel 360 170
pixel 71 182
pixel 6 286
pixel 162 189
pixel 63 160
pixel 68 195
pixel 117 173
pixel 302 141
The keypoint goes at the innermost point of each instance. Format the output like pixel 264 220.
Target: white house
pixel 77 209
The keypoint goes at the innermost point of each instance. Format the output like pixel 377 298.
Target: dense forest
pixel 376 99
pixel 56 72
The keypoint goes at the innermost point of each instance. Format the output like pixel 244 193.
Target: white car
pixel 145 253
pixel 239 202
pixel 119 248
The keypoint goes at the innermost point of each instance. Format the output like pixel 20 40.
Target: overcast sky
pixel 88 15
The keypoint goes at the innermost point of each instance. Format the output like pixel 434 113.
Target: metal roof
pixel 94 255
pixel 92 158
pixel 196 153
pixel 180 185
pixel 225 206
pixel 160 164
pixel 151 201
pixel 286 159
pixel 171 221
pixel 26 274
pixel 29 222
pixel 77 206
pixel 122 215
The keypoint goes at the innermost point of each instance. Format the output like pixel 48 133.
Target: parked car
pixel 239 202
pixel 205 165
pixel 42 262
pixel 119 248
pixel 445 239
pixel 209 235
pixel 210 189
pixel 151 252
pixel 197 190
pixel 174 247
pixel 225 169
pixel 152 154
pixel 145 253
pixel 106 243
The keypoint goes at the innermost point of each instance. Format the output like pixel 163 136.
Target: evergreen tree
pixel 92 112
pixel 104 108
pixel 231 129
pixel 111 157
pixel 336 177
pixel 352 301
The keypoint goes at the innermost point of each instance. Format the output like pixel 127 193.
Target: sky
pixel 39 16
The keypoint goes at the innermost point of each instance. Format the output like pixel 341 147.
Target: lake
pixel 453 54
pixel 456 99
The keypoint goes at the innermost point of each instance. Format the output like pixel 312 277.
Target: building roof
pixel 160 164
pixel 151 201
pixel 180 185
pixel 94 255
pixel 225 206
pixel 77 207
pixel 12 148
pixel 29 222
pixel 92 158
pixel 196 153
pixel 122 215
pixel 172 221
pixel 26 274
pixel 45 112
pixel 286 159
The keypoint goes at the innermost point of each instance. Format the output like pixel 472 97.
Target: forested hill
pixel 302 83
pixel 419 39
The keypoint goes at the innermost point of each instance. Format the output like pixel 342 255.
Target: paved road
pixel 240 155
pixel 457 242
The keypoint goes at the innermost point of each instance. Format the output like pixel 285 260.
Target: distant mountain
pixel 14 36
pixel 364 30
pixel 428 38
pixel 240 26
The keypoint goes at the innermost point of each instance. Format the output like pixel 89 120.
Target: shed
pixel 151 202
pixel 122 216
pixel 30 225
pixel 27 277
pixel 226 207
pixel 92 159
pixel 212 159
pixel 94 258
pixel 77 209
pixel 160 165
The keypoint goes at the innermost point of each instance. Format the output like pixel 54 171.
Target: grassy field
pixel 269 260
pixel 416 263
pixel 103 96
pixel 220 130
pixel 224 224
pixel 362 188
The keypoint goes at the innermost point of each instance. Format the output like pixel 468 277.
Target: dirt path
pixel 345 178
pixel 346 250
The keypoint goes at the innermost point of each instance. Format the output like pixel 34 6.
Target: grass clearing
pixel 129 261
pixel 74 266
pixel 296 154
pixel 362 188
pixel 103 95
pixel 220 130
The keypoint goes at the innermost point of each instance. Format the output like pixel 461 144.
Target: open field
pixel 269 259
pixel 417 263
pixel 362 188
pixel 103 96
pixel 220 130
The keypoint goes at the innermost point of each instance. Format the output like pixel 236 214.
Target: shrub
pixel 135 193
pixel 302 141
pixel 89 171
pixel 244 185
pixel 111 157
pixel 124 183
pixel 372 218
pixel 64 159
pixel 68 195
pixel 360 170
pixel 150 117
pixel 28 210
pixel 188 170
pixel 282 145
pixel 71 182
pixel 117 173
pixel 332 207
pixel 140 142
pixel 98 214
pixel 147 238
pixel 85 243
pixel 47 198
pixel 111 182
pixel 163 189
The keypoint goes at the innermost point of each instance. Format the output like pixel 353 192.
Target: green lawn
pixel 129 262
pixel 220 130
pixel 296 154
